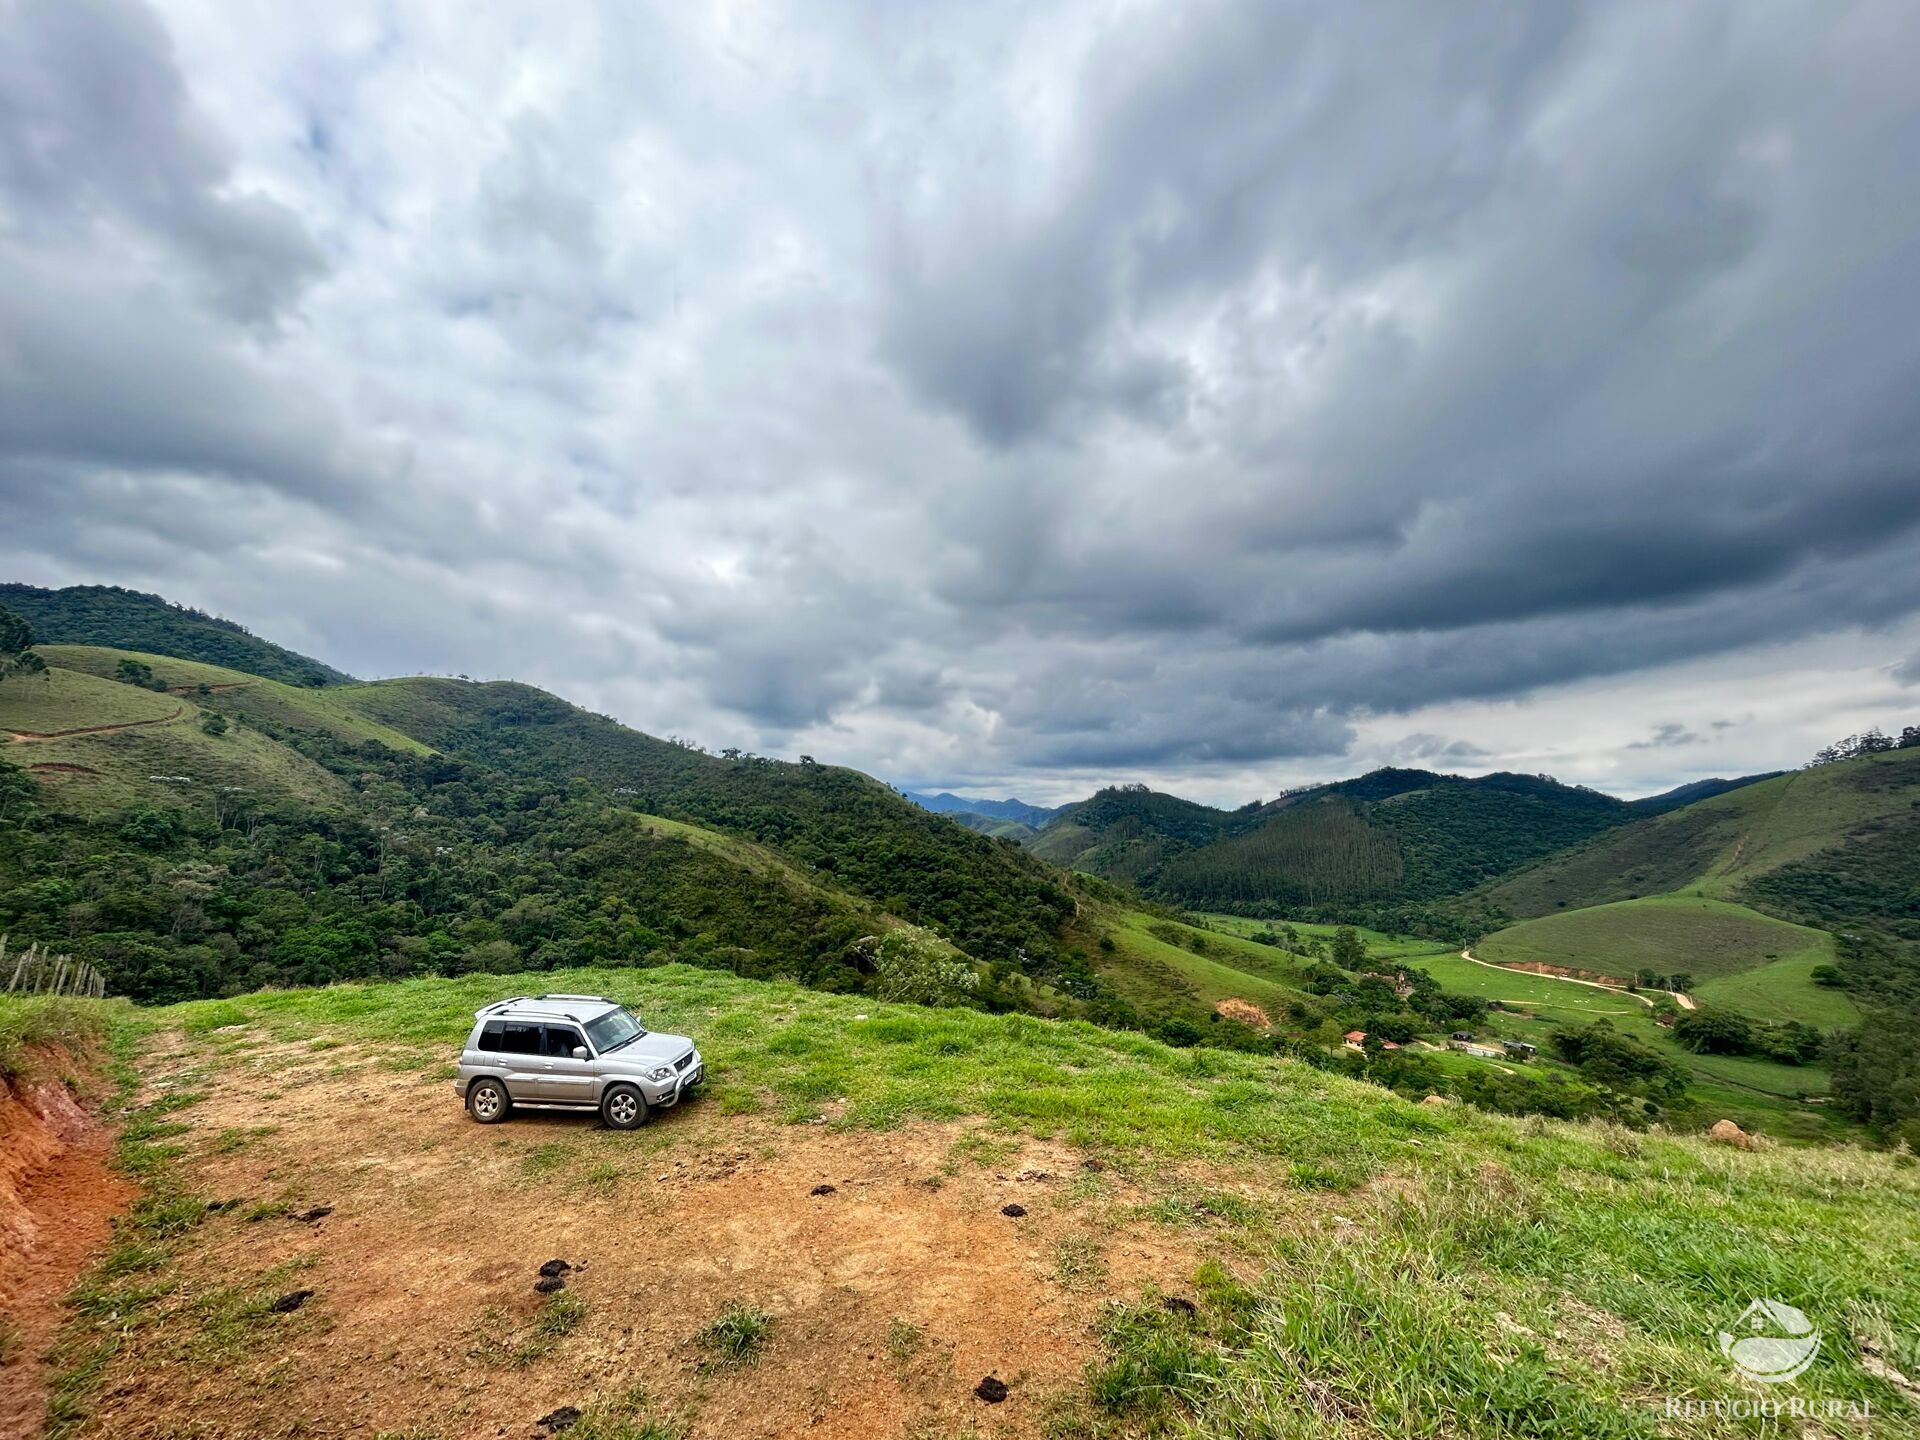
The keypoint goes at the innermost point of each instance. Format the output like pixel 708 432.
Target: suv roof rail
pixel 603 999
pixel 498 1005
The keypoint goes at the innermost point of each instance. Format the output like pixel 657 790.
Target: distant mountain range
pixel 1017 811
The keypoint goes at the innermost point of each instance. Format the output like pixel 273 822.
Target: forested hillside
pixel 131 620
pixel 194 830
pixel 1369 849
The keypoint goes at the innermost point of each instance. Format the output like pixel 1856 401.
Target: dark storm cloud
pixel 97 129
pixel 989 390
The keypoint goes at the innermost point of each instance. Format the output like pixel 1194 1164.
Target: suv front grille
pixel 684 1061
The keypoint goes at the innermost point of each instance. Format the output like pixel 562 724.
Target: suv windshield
pixel 614 1029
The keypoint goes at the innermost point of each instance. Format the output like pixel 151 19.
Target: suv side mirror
pixel 580 1052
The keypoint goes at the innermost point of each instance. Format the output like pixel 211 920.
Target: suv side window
pixel 520 1038
pixel 559 1041
pixel 490 1036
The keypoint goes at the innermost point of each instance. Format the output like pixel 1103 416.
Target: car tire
pixel 624 1108
pixel 488 1102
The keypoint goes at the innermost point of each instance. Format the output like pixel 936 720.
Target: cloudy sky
pixel 1010 397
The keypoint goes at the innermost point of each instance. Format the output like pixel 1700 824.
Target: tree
pixel 1681 982
pixel 16 647
pixel 16 789
pixel 1714 1032
pixel 215 724
pixel 1348 952
pixel 913 966
pixel 136 672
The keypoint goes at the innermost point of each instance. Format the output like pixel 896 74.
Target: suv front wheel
pixel 488 1101
pixel 623 1108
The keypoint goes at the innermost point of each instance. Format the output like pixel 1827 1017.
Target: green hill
pixel 1737 957
pixel 1360 849
pixel 1127 832
pixel 130 620
pixel 240 831
pixel 1695 790
pixel 1717 845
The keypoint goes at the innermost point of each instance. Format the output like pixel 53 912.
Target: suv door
pixel 568 1081
pixel 517 1053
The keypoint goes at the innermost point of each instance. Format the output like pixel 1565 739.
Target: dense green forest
pixel 1373 850
pixel 131 620
pixel 1297 863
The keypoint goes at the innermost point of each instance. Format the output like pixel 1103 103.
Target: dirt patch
pixel 57 1200
pixel 891 1293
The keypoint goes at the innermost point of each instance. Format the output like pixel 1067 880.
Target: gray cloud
pixel 1032 394
pixel 1666 737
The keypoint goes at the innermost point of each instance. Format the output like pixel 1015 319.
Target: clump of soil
pixel 1013 1212
pixel 553 1268
pixel 992 1390
pixel 290 1302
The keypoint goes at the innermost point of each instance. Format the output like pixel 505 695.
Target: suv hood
pixel 649 1050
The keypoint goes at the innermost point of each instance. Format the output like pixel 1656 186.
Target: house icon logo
pixel 1770 1342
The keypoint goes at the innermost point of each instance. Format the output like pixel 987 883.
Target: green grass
pixel 1159 977
pixel 1535 992
pixel 1782 990
pixel 1667 933
pixel 67 700
pixel 734 1338
pixel 108 771
pixel 29 1022
pixel 1759 1094
pixel 1379 945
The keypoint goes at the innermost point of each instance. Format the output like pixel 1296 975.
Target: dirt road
pixel 29 737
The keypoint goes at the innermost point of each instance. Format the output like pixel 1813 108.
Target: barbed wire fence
pixel 38 971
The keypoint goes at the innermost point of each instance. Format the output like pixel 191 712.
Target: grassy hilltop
pixel 1341 1256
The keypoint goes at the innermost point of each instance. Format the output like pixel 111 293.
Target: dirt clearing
pixel 894 1271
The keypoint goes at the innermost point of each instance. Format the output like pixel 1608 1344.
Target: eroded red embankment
pixel 57 1201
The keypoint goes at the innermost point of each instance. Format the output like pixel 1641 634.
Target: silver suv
pixel 578 1052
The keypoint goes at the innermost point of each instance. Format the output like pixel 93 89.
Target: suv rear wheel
pixel 488 1101
pixel 623 1108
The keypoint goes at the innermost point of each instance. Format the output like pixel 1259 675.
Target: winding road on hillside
pixel 1685 1002
pixel 33 737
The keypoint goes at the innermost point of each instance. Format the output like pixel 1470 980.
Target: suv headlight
pixel 660 1074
